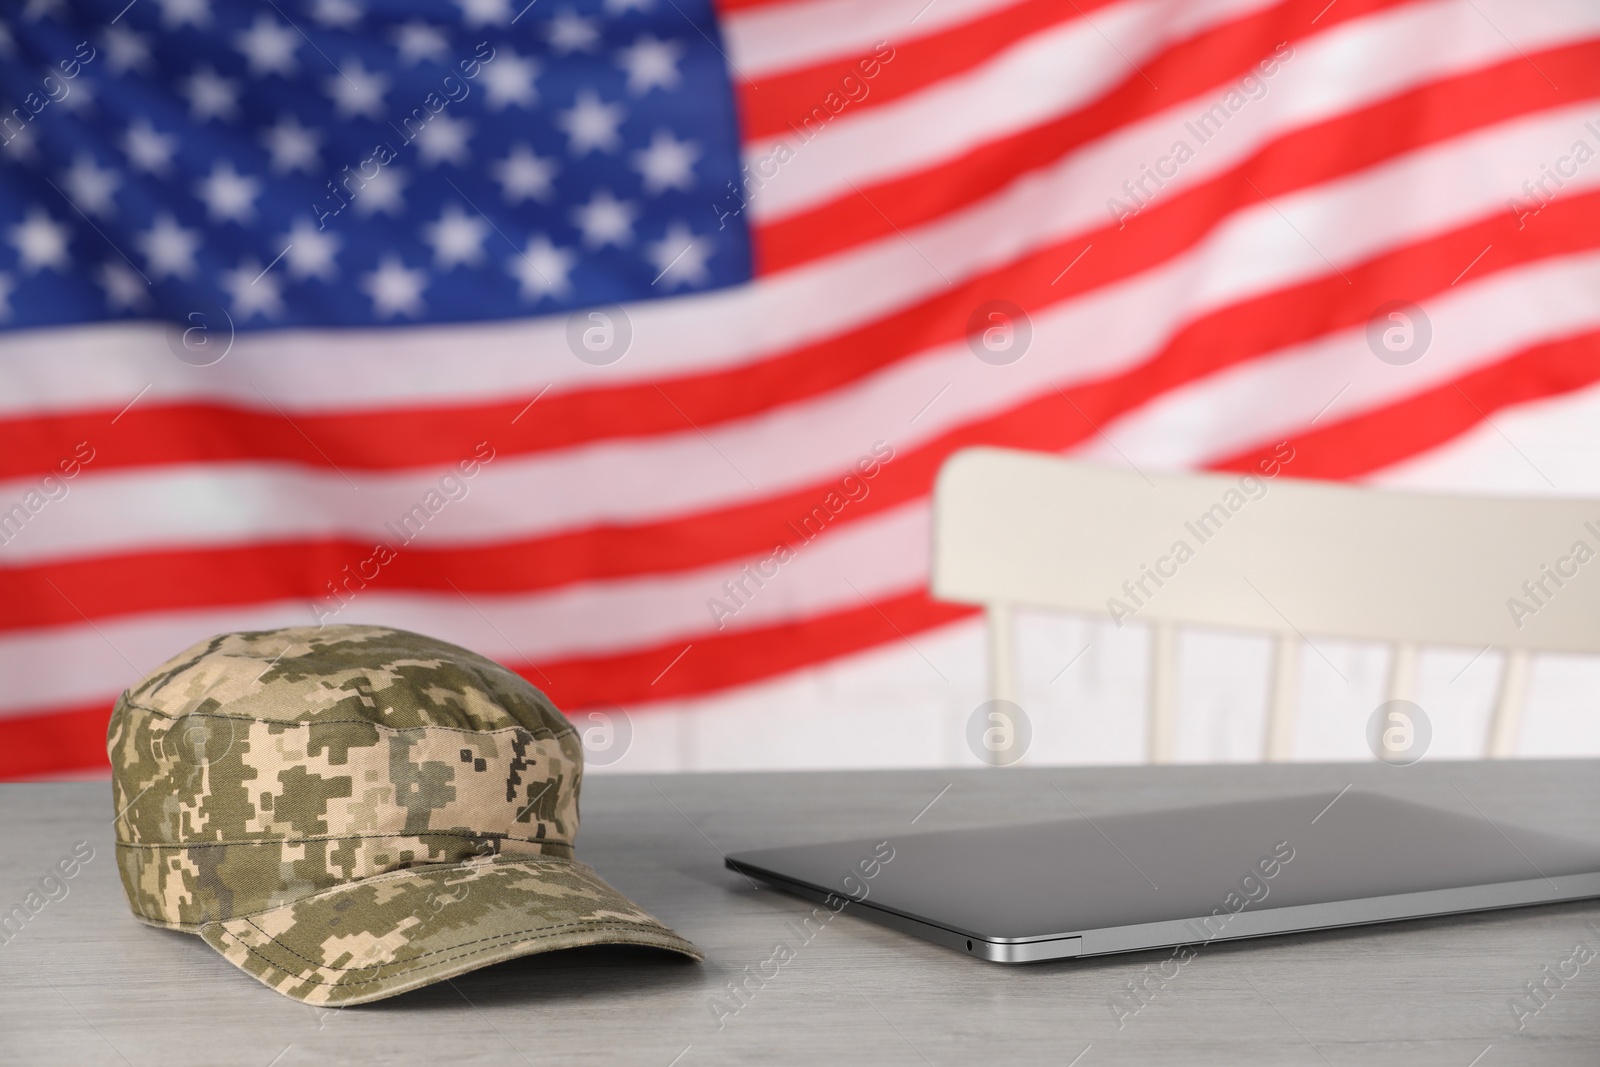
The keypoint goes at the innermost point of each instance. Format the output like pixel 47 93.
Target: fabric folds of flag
pixel 621 340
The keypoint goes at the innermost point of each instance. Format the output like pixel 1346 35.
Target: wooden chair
pixel 1290 557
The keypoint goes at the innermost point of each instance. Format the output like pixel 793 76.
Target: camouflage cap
pixel 349 812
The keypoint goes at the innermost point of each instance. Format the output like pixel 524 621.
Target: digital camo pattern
pixel 278 764
pixel 392 933
pixel 258 769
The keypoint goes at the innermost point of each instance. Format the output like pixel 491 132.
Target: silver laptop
pixel 1155 879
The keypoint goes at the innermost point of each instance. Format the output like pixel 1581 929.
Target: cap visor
pixel 384 935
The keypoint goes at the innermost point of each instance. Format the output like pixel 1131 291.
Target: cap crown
pixel 258 768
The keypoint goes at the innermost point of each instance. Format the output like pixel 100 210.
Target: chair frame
pixel 1286 556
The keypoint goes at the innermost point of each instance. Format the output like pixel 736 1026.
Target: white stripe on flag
pixel 882 557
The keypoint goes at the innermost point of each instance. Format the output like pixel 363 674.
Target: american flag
pixel 621 339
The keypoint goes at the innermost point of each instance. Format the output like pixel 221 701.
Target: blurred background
pixel 620 340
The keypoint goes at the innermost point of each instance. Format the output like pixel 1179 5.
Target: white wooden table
pixel 84 983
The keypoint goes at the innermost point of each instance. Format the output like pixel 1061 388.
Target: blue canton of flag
pixel 335 163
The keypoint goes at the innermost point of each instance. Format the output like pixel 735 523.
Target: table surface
pixel 84 983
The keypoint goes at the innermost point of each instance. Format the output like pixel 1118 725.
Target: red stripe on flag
pixel 725 7
pixel 75 739
pixel 782 102
pixel 54 742
pixel 1382 437
pixel 738 657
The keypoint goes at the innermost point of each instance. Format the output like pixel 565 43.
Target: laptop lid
pixel 1118 883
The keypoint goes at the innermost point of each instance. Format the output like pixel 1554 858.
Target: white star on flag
pixel 679 257
pixel 382 193
pixel 456 238
pixel 309 252
pixel 651 64
pixel 292 146
pixel 355 90
pixel 605 220
pixel 148 149
pixel 211 96
pixel 125 290
pixel 176 13
pixel 125 50
pixel 394 289
pixel 40 242
pixel 229 196
pixel 542 269
pixel 667 163
pixel 90 188
pixel 79 97
pixel 254 291
pixel 39 9
pixel 475 13
pixel 341 14
pixel 269 46
pixel 21 145
pixel 591 125
pixel 169 249
pixel 524 176
pixel 509 80
pixel 571 32
pixel 444 140
pixel 418 41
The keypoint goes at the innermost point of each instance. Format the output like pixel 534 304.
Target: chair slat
pixel 1283 701
pixel 1505 724
pixel 1162 737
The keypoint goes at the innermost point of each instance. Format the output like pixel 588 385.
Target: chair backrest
pixel 1262 552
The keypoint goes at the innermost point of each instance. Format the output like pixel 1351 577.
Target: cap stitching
pixel 536 731
pixel 404 872
pixel 340 837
